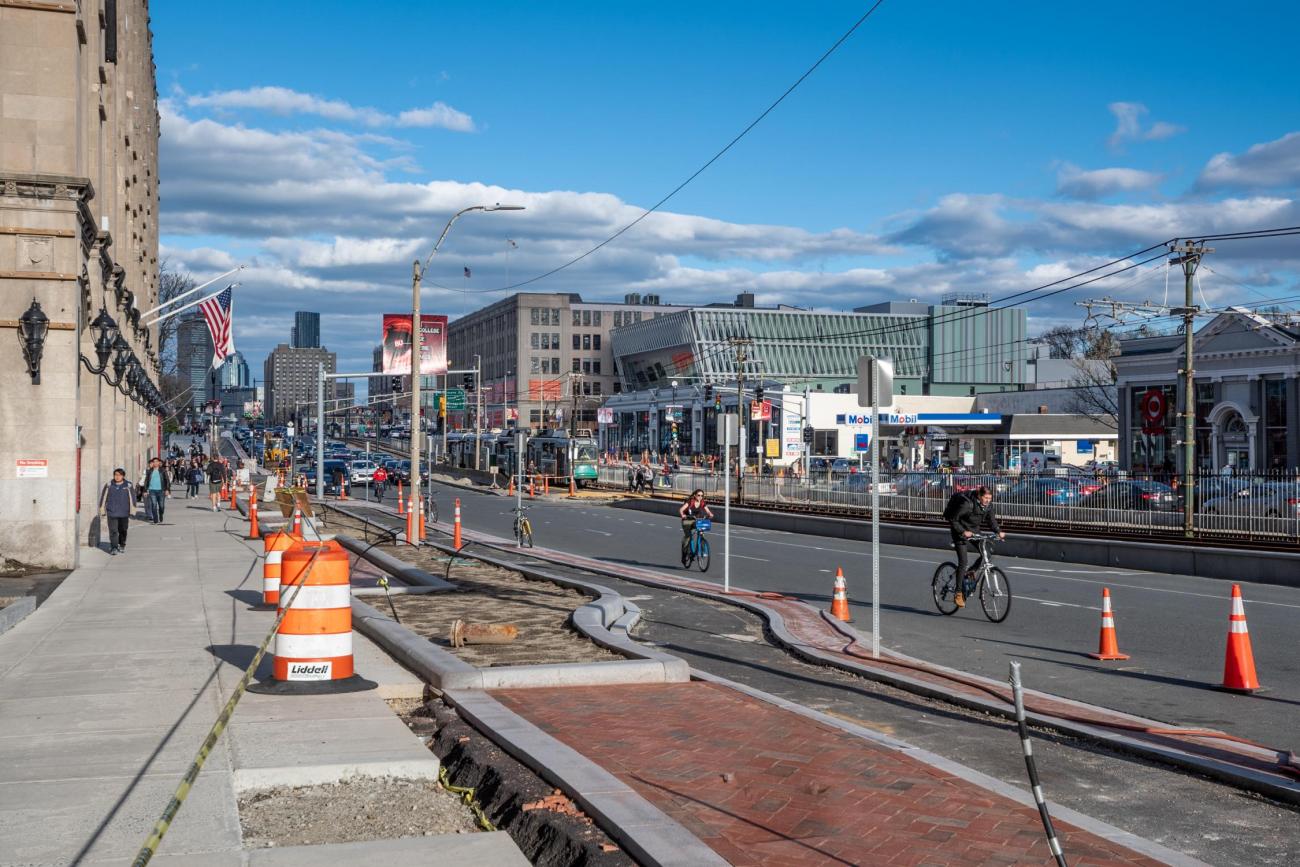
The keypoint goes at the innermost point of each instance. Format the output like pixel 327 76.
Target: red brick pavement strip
pixel 764 786
pixel 812 631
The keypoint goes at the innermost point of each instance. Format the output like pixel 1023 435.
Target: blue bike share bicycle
pixel 696 548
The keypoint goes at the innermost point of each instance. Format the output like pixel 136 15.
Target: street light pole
pixel 417 340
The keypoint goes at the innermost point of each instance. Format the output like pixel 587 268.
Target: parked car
pixel 1043 490
pixel 860 483
pixel 1259 500
pixel 1212 488
pixel 843 467
pixel 920 485
pixel 1134 495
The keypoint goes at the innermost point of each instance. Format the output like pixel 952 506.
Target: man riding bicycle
pixel 972 514
pixel 691 511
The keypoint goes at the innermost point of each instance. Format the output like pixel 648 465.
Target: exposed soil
pixel 489 594
pixel 545 824
pixel 363 808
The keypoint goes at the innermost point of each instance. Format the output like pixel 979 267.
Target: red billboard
pixel 397 344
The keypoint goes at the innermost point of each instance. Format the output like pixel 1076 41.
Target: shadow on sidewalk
pixel 144 769
pixel 776 835
pixel 249 597
pixel 1162 678
pixel 240 656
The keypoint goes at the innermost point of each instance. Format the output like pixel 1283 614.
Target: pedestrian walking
pixel 157 487
pixel 216 473
pixel 194 479
pixel 117 502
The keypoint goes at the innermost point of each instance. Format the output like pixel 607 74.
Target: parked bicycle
pixel 523 528
pixel 984 579
pixel 696 549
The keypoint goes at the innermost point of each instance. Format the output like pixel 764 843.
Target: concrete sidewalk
pixel 108 689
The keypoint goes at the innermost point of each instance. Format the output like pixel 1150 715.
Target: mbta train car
pixel 556 454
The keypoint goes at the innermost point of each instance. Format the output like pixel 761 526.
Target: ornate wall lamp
pixel 32 328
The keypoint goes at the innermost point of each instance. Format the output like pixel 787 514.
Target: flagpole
pixel 188 306
pixel 191 291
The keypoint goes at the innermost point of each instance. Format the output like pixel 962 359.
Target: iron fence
pixel 1255 507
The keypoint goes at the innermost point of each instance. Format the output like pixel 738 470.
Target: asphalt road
pixel 1174 627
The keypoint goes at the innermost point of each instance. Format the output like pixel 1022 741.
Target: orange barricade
pixel 275 545
pixel 314 641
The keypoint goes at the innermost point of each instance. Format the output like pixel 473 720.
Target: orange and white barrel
pixel 314 641
pixel 272 567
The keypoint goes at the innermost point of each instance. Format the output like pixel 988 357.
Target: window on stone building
pixel 595 318
pixel 577 317
pixel 595 341
pixel 537 364
pixel 534 340
pixel 586 341
pixel 1275 424
pixel 534 317
pixel 586 318
pixel 577 365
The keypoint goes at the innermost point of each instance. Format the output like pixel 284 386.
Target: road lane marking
pixel 743 557
pixel 1152 589
pixel 601 532
pixel 1054 603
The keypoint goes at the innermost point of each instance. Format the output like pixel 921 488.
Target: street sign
pixel 861 442
pixel 885 374
pixel 455 398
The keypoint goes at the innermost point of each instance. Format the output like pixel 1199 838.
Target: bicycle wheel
pixel 432 516
pixel 526 533
pixel 944 588
pixel 687 556
pixel 702 555
pixel 995 595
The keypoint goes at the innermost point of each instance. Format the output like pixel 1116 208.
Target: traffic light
pixel 467 381
pixel 396 384
pixel 442 406
pixel 758 394
pixel 708 394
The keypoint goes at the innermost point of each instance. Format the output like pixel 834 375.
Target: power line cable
pixel 713 159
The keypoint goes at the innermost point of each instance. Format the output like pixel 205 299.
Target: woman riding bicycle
pixel 691 511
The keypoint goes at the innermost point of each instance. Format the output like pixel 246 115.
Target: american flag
pixel 217 312
pixel 466 272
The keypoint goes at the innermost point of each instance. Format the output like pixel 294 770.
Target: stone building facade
pixel 292 378
pixel 78 234
pixel 1246 397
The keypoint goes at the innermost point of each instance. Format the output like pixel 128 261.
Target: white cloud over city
pixel 330 217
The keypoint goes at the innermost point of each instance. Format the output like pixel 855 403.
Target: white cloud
pixel 284 101
pixel 1128 125
pixel 1268 165
pixel 1077 183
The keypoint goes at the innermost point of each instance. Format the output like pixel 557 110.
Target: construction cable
pixel 150 847
pixel 467 797
pixel 1028 749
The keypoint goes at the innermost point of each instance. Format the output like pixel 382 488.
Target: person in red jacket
pixel 380 480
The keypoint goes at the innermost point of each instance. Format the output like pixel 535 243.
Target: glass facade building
pixel 936 349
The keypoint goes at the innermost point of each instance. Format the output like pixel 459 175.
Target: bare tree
pixel 171 284
pixel 1064 341
pixel 1094 378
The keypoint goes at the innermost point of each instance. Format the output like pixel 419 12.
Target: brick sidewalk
pixel 764 786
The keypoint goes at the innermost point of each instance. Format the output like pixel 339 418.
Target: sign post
pixel 875 386
pixel 726 502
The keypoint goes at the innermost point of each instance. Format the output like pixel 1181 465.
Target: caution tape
pixel 150 847
pixel 466 798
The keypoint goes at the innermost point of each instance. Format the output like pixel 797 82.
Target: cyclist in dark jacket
pixel 973 516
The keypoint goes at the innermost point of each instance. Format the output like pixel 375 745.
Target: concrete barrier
pixel 1264 567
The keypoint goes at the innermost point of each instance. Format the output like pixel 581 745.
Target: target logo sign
pixel 1153 410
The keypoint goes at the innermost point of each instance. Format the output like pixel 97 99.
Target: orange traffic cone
pixel 546 485
pixel 532 487
pixel 295 529
pixel 1108 645
pixel 422 535
pixel 573 487
pixel 401 503
pixel 510 490
pixel 840 598
pixel 1239 662
pixel 233 489
pixel 410 524
pixel 254 532
pixel 455 541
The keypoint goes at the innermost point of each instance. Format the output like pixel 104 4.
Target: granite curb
pixel 13 613
pixel 647 833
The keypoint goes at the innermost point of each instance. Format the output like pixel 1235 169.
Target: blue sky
pixel 944 146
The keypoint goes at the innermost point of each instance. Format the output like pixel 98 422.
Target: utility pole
pixel 478 406
pixel 575 384
pixel 742 414
pixel 417 341
pixel 1189 256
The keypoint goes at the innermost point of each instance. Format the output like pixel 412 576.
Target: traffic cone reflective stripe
pixel 254 532
pixel 511 489
pixel 1108 644
pixel 1239 661
pixel 456 526
pixel 274 546
pixel 573 487
pixel 840 598
pixel 401 503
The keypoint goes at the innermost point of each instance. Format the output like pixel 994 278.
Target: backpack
pixel 955 504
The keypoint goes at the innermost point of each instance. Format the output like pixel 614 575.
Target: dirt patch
pixel 364 808
pixel 489 594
